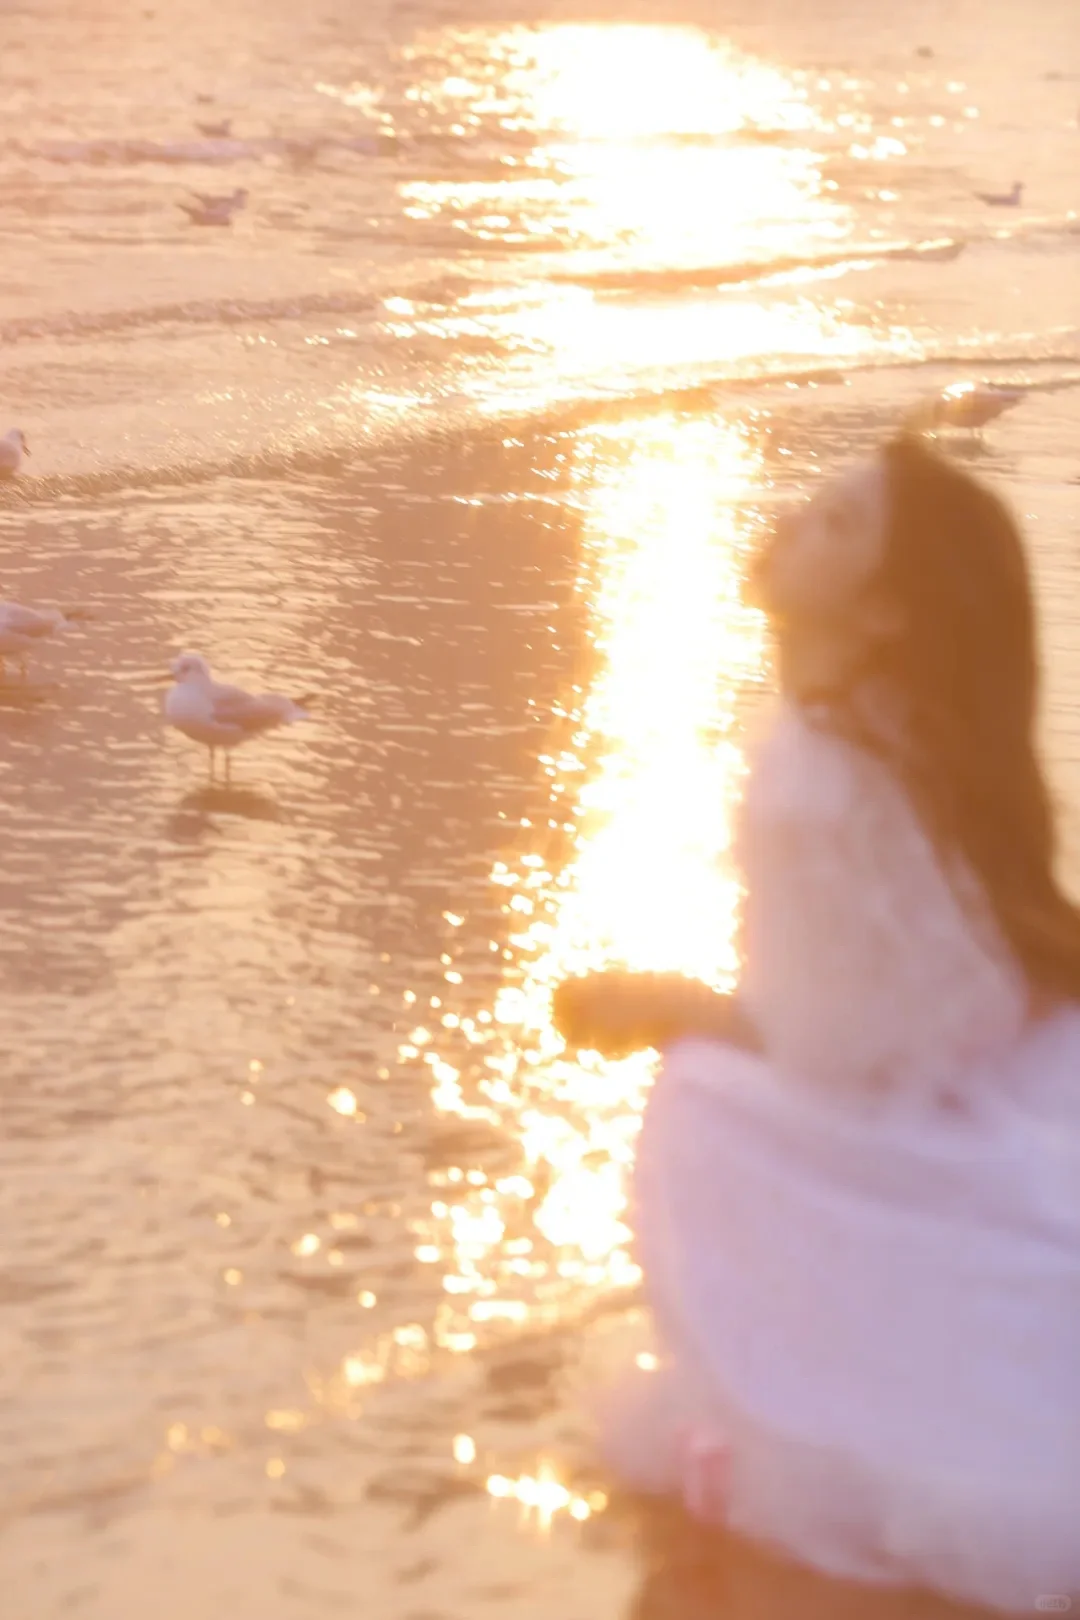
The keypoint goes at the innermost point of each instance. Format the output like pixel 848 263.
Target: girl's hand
pixel 605 1012
pixel 617 1012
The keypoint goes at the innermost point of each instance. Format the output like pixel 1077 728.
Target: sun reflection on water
pixel 542 1496
pixel 610 197
pixel 644 780
pixel 645 153
pixel 655 141
pixel 614 191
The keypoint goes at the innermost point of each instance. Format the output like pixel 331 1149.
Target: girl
pixel 858 1187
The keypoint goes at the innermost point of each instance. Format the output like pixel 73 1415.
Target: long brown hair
pixel 967 667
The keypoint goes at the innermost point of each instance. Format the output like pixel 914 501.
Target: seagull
pixel 968 405
pixel 21 628
pixel 210 210
pixel 1003 199
pixel 222 128
pixel 221 716
pixel 221 199
pixel 13 450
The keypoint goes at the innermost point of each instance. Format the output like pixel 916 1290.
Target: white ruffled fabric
pixel 864 971
pixel 863 1250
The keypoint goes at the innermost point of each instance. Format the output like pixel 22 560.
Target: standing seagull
pixel 1003 199
pixel 13 450
pixel 967 405
pixel 23 628
pixel 222 716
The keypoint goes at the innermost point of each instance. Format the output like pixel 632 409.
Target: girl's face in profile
pixel 817 580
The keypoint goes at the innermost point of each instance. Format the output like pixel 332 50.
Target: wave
pixel 937 250
pixel 272 464
pixel 458 419
pixel 714 393
pixel 445 292
pixel 106 150
pixel 472 146
pixel 704 278
pixel 197 312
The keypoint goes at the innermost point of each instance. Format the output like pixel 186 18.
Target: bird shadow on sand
pixel 190 817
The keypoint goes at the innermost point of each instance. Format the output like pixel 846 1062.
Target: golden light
pixel 608 81
pixel 543 1497
pixel 363 1369
pixel 286 1420
pixel 653 151
pixel 646 779
pixel 669 191
pixel 464 1449
pixel 343 1102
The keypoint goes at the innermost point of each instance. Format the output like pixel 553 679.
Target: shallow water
pixel 312 1239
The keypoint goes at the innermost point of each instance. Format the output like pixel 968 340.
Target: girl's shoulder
pixel 802 768
pixel 1044 1068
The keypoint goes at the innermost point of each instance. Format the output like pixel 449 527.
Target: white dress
pixel 862 1249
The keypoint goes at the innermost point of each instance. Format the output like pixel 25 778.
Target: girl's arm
pixel 616 1013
